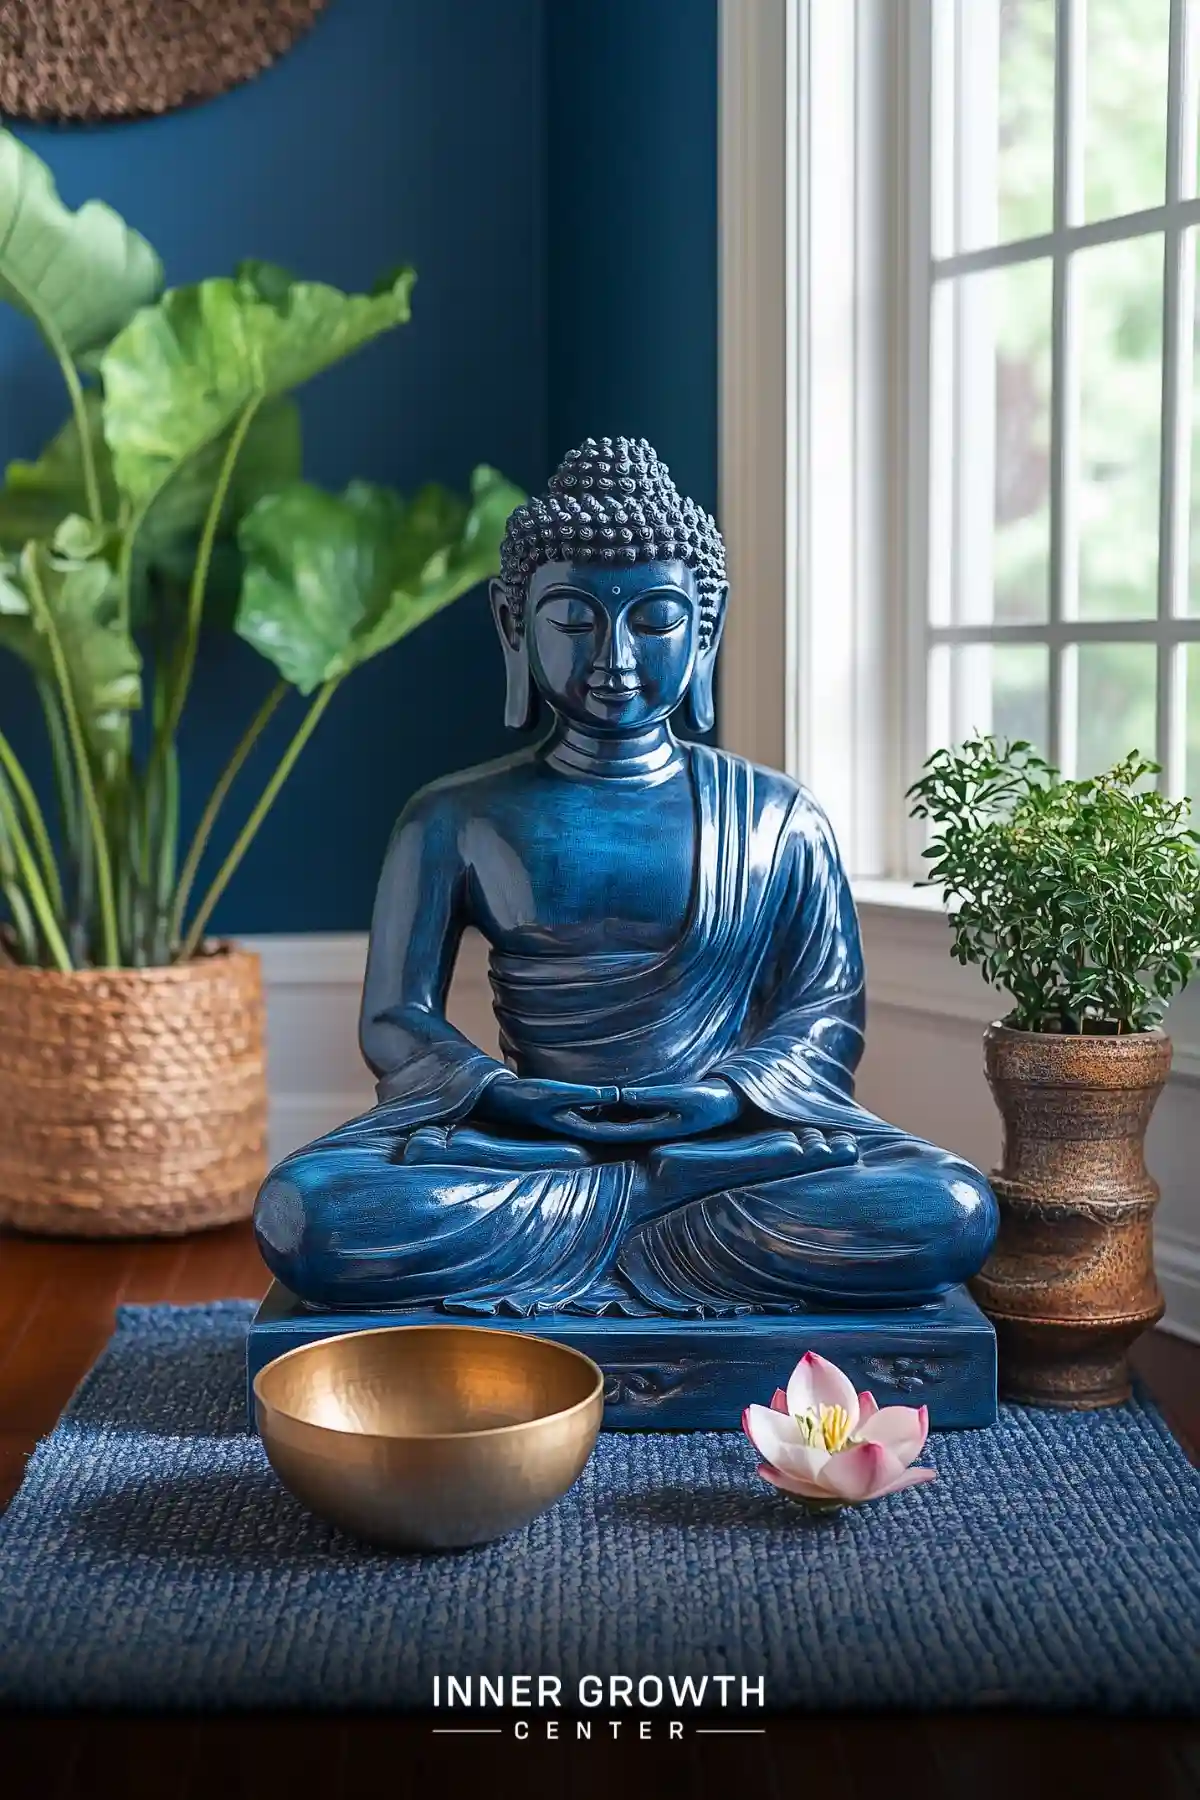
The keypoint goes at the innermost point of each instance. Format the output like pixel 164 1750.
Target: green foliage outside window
pixel 1117 315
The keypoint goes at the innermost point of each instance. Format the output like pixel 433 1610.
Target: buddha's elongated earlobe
pixel 520 695
pixel 699 710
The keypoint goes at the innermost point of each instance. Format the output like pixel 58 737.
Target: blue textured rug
pixel 152 1560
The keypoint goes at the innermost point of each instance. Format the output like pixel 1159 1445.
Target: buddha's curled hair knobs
pixel 593 495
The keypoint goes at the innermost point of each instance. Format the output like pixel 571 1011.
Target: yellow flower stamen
pixel 810 1430
pixel 827 1430
pixel 835 1427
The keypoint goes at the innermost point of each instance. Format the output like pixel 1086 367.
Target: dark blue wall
pixel 631 255
pixel 551 172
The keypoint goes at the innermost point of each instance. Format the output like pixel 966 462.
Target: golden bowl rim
pixel 432 1437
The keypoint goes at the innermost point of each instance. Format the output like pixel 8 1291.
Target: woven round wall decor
pixel 109 59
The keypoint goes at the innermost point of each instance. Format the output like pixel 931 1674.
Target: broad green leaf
pixel 102 662
pixel 80 275
pixel 270 459
pixel 38 496
pixel 331 581
pixel 182 371
pixel 468 554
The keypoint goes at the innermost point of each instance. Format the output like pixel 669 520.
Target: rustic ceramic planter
pixel 133 1101
pixel 1070 1283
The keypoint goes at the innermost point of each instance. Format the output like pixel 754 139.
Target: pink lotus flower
pixel 832 1447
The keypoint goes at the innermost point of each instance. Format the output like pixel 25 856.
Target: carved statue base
pixel 697 1374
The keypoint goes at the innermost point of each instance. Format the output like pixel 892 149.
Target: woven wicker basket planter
pixel 133 1102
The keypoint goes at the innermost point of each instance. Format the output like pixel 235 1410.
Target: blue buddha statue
pixel 678 980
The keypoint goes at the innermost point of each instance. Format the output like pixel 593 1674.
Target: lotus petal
pixel 776 1437
pixel 816 1383
pixel 779 1401
pixel 906 1478
pixel 769 1430
pixel 868 1406
pixel 794 1484
pixel 900 1429
pixel 861 1473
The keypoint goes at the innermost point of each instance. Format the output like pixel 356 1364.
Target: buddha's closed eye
pixel 652 628
pixel 658 618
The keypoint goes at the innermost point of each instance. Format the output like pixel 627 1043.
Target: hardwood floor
pixel 56 1311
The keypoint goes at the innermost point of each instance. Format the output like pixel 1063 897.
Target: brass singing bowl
pixel 429 1437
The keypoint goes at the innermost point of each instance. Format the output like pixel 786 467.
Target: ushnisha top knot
pixel 612 501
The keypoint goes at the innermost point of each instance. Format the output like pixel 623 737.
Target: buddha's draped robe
pixel 765 988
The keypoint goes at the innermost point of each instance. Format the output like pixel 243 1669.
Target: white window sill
pixel 898 896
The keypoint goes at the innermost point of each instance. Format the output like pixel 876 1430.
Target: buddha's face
pixel 613 648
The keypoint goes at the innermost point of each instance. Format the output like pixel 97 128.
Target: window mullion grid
pixel 1064 394
pixel 1088 235
pixel 1175 462
pixel 913 247
pixel 1065 632
pixel 1172 629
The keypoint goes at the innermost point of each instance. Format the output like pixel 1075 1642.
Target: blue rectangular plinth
pixel 697 1374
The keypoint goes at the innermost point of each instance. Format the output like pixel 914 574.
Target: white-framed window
pixel 959 275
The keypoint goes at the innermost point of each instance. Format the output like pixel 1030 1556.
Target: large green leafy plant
pixel 174 484
pixel 1081 898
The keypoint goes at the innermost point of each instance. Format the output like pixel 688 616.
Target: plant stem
pixel 127 828
pixel 31 879
pixel 158 800
pixel 87 786
pixel 168 854
pixel 60 753
pixel 37 824
pixel 125 565
pixel 216 800
pixel 23 926
pixel 161 820
pixel 270 792
pixel 80 936
pixel 74 387
pixel 91 479
pixel 173 711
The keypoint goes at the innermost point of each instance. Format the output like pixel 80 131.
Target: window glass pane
pixel 1191 763
pixel 994 485
pixel 1116 689
pixel 1026 118
pixel 1125 130
pixel 1119 319
pixel 994 120
pixel 977 688
pixel 1191 249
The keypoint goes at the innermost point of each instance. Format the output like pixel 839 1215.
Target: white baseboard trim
pixel 1178 1266
pixel 299 1118
pixel 311 959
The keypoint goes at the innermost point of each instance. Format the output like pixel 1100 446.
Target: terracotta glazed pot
pixel 133 1102
pixel 1070 1283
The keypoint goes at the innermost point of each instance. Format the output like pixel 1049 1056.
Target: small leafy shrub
pixel 1080 898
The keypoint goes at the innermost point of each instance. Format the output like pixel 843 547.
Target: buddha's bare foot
pixel 689 1168
pixel 465 1146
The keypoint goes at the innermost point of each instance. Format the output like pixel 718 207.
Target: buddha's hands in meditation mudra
pixel 652 1113
pixel 608 1115
pixel 676 975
